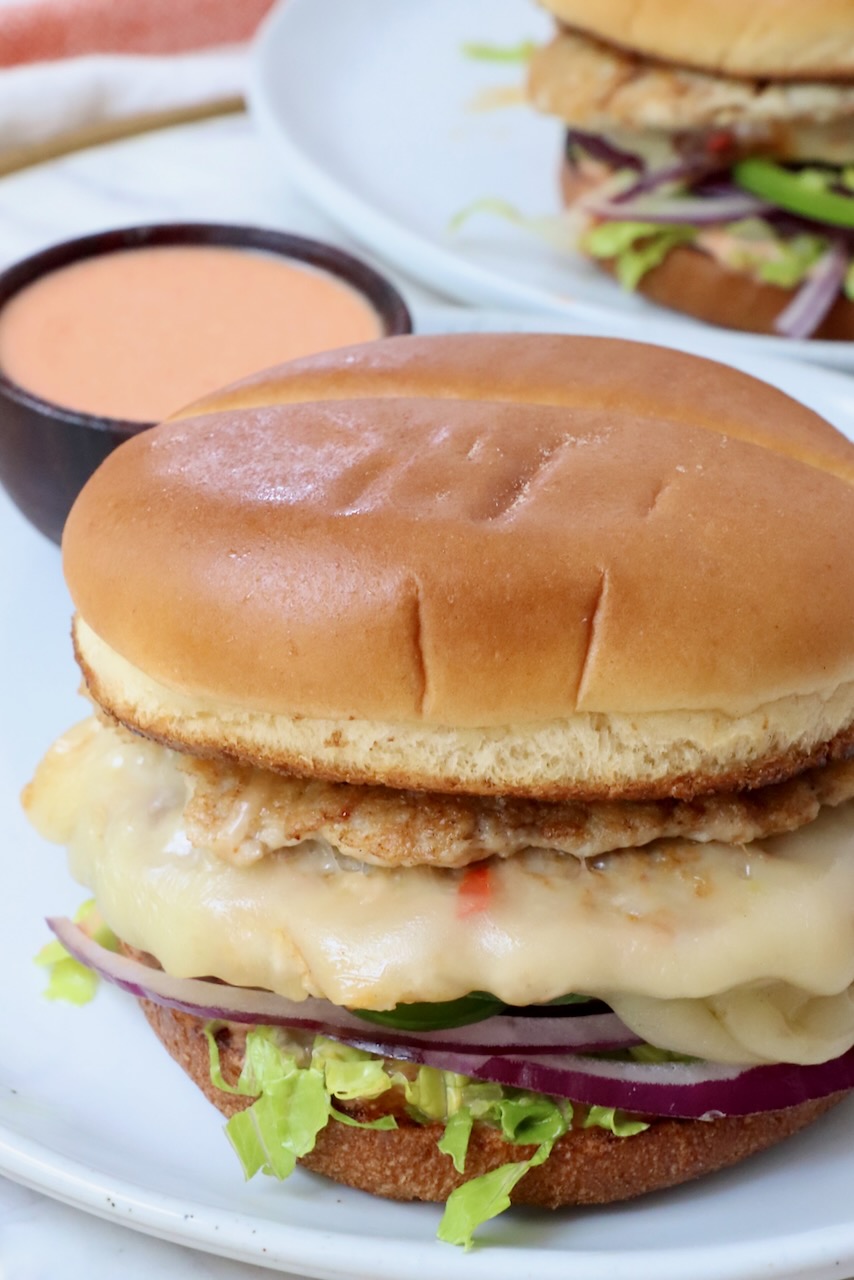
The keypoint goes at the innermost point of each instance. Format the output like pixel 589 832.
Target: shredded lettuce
pixel 524 1119
pixel 636 247
pixel 454 1142
pixel 217 1078
pixel 554 229
pixel 480 1199
pixel 751 245
pixel 291 1107
pixel 349 1073
pixel 295 1089
pixel 381 1122
pixel 848 286
pixel 68 979
pixel 755 246
pixel 616 1122
pixel 520 52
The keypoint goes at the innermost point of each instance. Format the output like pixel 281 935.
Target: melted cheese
pixel 736 953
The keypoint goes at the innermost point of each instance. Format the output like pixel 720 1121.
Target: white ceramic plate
pixel 93 1112
pixel 370 106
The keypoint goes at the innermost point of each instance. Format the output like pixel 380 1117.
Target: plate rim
pixel 230 1235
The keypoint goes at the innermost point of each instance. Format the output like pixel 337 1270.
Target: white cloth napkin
pixel 47 100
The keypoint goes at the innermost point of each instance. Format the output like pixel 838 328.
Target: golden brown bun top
pixel 785 39
pixel 480 530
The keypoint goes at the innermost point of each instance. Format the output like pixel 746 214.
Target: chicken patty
pixel 241 814
pixel 600 88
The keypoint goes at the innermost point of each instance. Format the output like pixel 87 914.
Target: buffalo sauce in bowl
pixel 104 336
pixel 138 333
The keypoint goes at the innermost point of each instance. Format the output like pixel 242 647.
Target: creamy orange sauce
pixel 139 333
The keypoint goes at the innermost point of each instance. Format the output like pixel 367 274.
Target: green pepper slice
pixel 446 1014
pixel 790 190
pixel 435 1017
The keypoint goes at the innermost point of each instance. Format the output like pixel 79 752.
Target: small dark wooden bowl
pixel 48 452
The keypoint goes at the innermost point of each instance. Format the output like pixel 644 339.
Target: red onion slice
pixel 816 296
pixel 686 171
pixel 677 210
pixel 599 148
pixel 218 1001
pixel 697 1090
pixel 688 1091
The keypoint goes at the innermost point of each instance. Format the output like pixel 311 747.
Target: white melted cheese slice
pixel 732 953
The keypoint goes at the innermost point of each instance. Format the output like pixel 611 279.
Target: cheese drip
pixel 738 954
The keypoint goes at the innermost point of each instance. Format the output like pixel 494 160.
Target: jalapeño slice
pixel 476 1007
pixel 794 190
pixel 439 1016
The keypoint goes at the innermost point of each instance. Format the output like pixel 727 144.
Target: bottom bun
pixel 695 283
pixel 586 1167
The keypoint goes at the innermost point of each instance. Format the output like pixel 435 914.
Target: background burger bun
pixel 693 282
pixel 538 565
pixel 785 41
pixel 587 1166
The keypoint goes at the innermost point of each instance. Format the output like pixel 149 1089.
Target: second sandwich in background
pixel 710 154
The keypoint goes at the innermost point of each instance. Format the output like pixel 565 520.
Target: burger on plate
pixel 710 153
pixel 469 782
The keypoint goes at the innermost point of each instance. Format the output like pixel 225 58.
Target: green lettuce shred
pixel 551 228
pixel 295 1089
pixel 480 1199
pixel 616 1122
pixel 520 52
pixel 349 1073
pixel 293 1102
pixel 454 1142
pixel 381 1122
pixel 755 246
pixel 636 247
pixel 68 979
pixel 523 1120
pixel 291 1107
pixel 848 286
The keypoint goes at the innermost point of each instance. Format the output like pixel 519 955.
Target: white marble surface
pixel 216 171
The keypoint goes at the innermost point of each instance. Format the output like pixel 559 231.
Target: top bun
pixel 781 39
pixel 410 561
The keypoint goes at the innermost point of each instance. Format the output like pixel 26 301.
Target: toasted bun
pixel 583 757
pixel 483 563
pixel 781 40
pixel 695 283
pixel 587 1166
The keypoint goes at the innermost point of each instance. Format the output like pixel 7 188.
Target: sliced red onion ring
pixel 697 1090
pixel 218 1001
pixel 677 210
pixel 680 171
pixel 599 148
pixel 816 295
pixel 686 1091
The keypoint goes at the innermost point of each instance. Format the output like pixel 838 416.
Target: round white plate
pixel 373 108
pixel 93 1111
